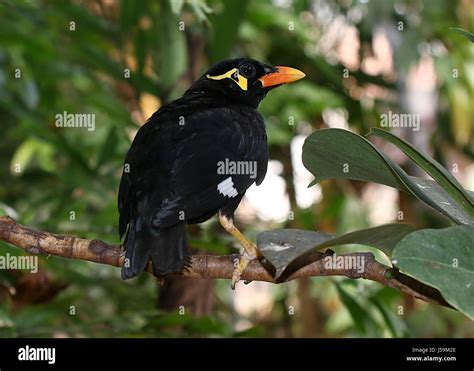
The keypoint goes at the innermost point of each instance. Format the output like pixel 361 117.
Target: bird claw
pixel 235 279
pixel 244 260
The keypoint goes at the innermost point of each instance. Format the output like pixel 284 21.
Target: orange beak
pixel 283 75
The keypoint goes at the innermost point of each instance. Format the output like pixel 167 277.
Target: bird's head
pixel 244 80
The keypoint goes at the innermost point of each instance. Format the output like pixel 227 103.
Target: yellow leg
pixel 250 250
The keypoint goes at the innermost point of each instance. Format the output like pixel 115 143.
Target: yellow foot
pixel 245 258
pixel 249 253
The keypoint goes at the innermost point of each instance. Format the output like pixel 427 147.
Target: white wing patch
pixel 226 188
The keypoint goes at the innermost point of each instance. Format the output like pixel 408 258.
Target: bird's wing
pixel 142 172
pixel 220 153
pixel 175 160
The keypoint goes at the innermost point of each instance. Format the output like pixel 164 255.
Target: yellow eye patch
pixel 234 75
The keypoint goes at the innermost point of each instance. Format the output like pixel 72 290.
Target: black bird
pixel 196 157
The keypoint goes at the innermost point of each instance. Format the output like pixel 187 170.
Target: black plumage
pixel 171 176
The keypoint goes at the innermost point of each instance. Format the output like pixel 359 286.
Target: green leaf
pixel 108 147
pixel 6 210
pixel 363 321
pixel 281 247
pixel 141 48
pixel 72 151
pixel 444 259
pixel 33 151
pixel 226 25
pixel 7 324
pixel 287 250
pixel 174 53
pixel 176 6
pixel 337 153
pixel 129 13
pixel 469 35
pixel 200 8
pixel 443 177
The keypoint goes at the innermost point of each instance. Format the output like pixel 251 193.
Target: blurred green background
pixel 121 60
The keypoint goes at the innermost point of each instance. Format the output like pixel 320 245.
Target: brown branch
pixel 206 266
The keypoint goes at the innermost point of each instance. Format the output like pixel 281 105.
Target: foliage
pixel 336 153
pixel 123 60
pixel 287 250
pixel 442 259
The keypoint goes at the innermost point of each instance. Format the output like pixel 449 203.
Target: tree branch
pixel 206 266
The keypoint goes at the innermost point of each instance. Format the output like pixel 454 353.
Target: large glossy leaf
pixel 337 153
pixel 287 250
pixel 281 247
pixel 444 259
pixel 442 176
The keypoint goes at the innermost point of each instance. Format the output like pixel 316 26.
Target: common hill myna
pixel 196 157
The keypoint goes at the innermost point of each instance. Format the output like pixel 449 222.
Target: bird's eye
pixel 247 70
pixel 235 75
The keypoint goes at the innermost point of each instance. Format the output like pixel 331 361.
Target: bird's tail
pixel 166 247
